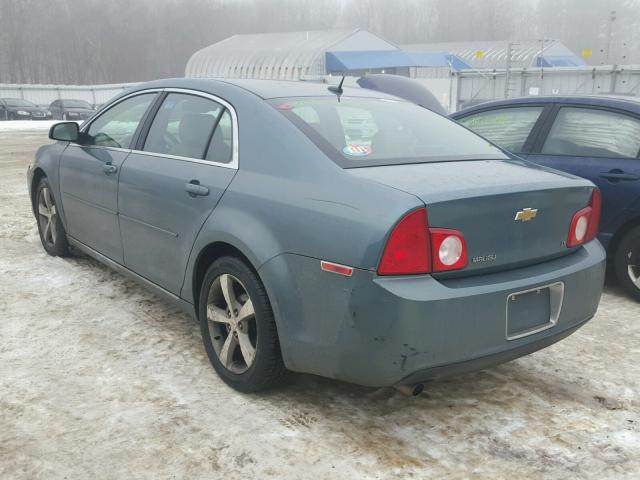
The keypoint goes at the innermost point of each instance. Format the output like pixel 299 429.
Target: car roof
pixel 623 102
pixel 267 89
pixel 290 88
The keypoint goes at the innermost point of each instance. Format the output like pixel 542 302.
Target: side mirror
pixel 65 132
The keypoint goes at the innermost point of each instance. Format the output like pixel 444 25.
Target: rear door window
pixel 117 126
pixel 590 132
pixel 184 127
pixel 221 147
pixel 508 128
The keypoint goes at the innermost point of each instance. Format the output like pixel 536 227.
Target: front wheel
pixel 627 262
pixel 52 233
pixel 238 327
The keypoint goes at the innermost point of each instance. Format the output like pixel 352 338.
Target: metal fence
pixel 455 90
pixel 43 95
pixel 473 87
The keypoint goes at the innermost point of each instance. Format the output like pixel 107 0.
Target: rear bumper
pixel 381 331
pixel 77 116
pixel 479 363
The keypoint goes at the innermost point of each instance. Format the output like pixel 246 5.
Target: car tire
pixel 627 262
pixel 52 232
pixel 230 291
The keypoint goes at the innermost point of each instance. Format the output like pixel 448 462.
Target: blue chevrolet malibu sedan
pixel 595 137
pixel 340 232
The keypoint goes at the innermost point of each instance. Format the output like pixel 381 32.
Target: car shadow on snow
pixel 535 377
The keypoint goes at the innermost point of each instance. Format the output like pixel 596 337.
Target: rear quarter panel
pixel 288 197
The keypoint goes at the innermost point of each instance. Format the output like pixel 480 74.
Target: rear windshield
pixel 363 132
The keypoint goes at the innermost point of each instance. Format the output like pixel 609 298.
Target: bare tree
pixel 98 41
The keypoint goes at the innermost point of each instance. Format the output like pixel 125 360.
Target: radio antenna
pixel 337 90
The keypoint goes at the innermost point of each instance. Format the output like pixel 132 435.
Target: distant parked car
pixel 594 137
pixel 418 252
pixel 19 109
pixel 66 109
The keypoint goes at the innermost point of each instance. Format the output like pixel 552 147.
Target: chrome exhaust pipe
pixel 410 390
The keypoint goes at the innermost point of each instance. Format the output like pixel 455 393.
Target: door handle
pixel 194 189
pixel 617 175
pixel 109 168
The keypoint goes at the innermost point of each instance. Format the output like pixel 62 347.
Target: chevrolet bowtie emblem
pixel 526 214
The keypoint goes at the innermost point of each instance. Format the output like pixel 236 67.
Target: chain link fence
pixel 473 87
pixel 43 95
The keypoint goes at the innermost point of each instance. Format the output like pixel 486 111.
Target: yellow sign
pixel 587 53
pixel 479 54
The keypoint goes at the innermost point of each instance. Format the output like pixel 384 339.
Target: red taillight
pixel 414 248
pixel 596 207
pixel 407 249
pixel 584 224
pixel 448 249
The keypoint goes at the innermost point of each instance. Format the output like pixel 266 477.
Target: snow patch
pixel 26 125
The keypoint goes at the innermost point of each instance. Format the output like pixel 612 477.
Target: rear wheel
pixel 52 233
pixel 627 262
pixel 238 327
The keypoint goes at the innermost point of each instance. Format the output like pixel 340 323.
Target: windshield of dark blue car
pixel 17 102
pixel 363 132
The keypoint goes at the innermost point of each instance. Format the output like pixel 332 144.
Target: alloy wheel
pixel 47 216
pixel 633 267
pixel 232 323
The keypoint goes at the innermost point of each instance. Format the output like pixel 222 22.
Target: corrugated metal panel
pixel 288 55
pixel 282 56
pixel 494 53
pixel 475 87
pixel 45 94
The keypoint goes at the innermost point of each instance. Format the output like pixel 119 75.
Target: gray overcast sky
pixel 100 41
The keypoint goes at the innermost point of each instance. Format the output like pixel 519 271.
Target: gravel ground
pixel 100 379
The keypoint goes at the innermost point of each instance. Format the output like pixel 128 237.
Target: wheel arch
pixel 621 232
pixel 38 174
pixel 209 254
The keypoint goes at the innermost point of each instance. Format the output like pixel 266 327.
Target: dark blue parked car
pixel 595 137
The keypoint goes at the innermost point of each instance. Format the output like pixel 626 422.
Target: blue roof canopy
pixel 438 59
pixel 363 60
pixel 560 61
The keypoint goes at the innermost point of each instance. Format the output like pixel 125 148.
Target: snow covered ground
pixel 26 125
pixel 100 379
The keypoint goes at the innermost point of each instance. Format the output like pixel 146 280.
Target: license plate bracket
pixel 533 310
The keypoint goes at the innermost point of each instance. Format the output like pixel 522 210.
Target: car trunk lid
pixel 511 213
